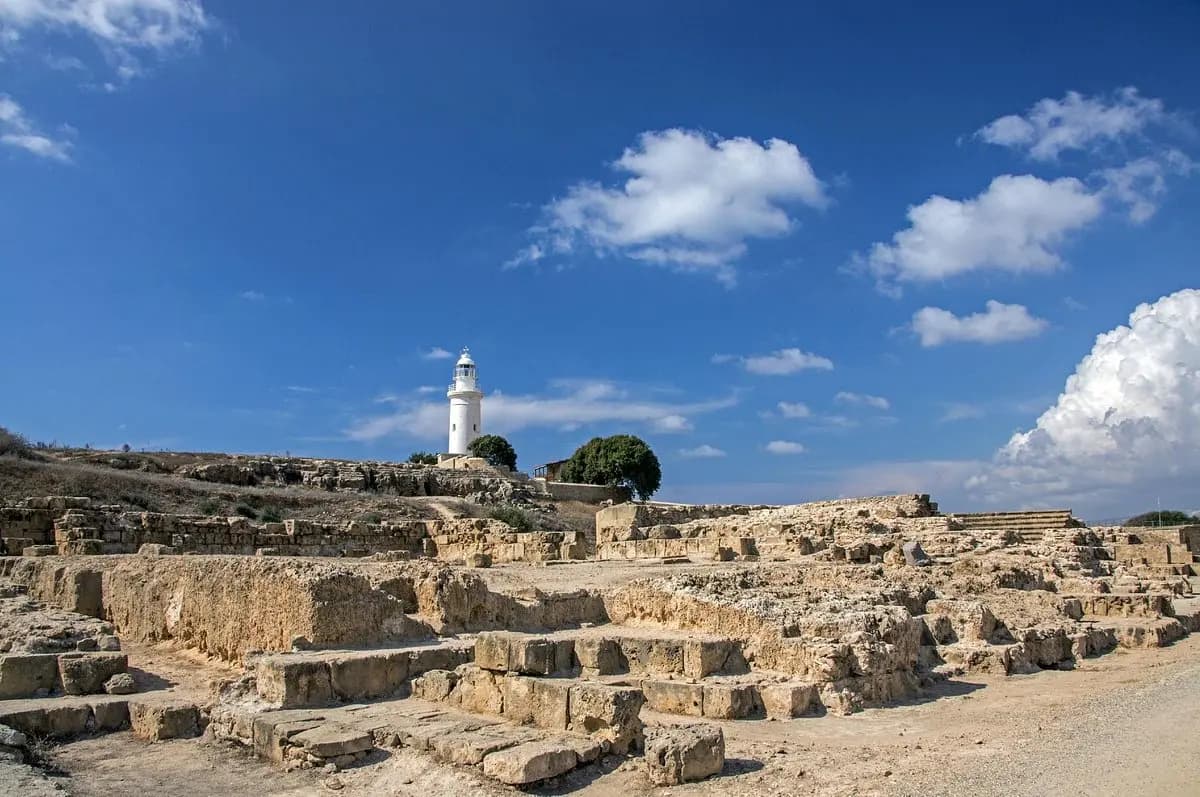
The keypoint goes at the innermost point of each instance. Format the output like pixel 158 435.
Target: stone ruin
pixel 720 614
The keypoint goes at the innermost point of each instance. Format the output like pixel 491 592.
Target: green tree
pixel 495 449
pixel 422 458
pixel 13 444
pixel 620 461
pixel 1167 517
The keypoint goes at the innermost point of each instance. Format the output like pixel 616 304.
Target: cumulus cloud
pixel 778 363
pixel 1126 427
pixel 784 447
pixel 569 405
pixel 17 130
pixel 1018 224
pixel 863 400
pixel 794 409
pixel 1075 122
pixel 436 353
pixel 701 452
pixel 1000 323
pixel 691 202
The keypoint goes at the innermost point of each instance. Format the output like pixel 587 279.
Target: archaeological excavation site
pixel 188 624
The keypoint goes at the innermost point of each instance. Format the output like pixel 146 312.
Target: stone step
pixel 320 678
pixel 512 754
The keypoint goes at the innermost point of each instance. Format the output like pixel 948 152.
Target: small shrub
pixel 14 445
pixel 247 511
pixel 209 507
pixel 519 519
pixel 370 517
pixel 422 458
pixel 271 514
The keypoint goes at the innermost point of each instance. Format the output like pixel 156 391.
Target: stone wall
pixel 585 493
pixel 77 526
pixel 226 606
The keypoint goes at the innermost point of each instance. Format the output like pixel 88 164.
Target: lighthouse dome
pixel 465 358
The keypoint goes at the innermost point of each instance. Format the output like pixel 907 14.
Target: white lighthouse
pixel 466 402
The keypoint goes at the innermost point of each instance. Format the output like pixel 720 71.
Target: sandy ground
pixel 1121 724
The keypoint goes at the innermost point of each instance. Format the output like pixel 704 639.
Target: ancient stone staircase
pixel 1029 525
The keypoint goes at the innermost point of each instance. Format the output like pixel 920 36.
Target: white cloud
pixel 1075 122
pixel 135 24
pixel 1141 183
pixel 572 403
pixel 1126 428
pixel 437 353
pixel 784 447
pixel 998 324
pixel 794 409
pixel 863 400
pixel 778 363
pixel 252 296
pixel 300 389
pixel 18 130
pixel 1018 224
pixel 701 452
pixel 671 424
pixel 691 202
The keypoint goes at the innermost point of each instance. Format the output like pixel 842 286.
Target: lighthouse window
pixel 453 427
pixel 475 427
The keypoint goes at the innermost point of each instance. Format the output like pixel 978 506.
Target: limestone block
pixel 332 740
pixel 40 550
pixel 109 643
pixel 59 722
pixel 541 702
pixel 156 549
pixel 155 722
pixel 607 713
pixel 293 683
pixel 501 651
pixel 959 621
pixel 469 748
pixel 120 684
pixel 915 555
pixel 530 762
pixel 443 657
pixel 434 685
pixel 674 697
pixel 477 691
pixel 86 673
pixel 703 657
pixel 22 675
pixel 111 715
pixel 491 651
pixel 684 754
pixel 729 701
pixel 599 655
pixel 366 676
pixel 788 700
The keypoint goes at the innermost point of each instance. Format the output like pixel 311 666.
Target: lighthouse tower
pixel 465 405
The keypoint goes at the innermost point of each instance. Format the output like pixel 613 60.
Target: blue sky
pixel 254 226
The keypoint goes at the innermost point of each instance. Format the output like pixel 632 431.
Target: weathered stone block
pixel 478 691
pixel 536 701
pixel 703 657
pixel 22 675
pixel 530 762
pixel 684 754
pixel 293 683
pixel 729 702
pixel 332 740
pixel 155 722
pixel 435 685
pixel 111 715
pixel 599 655
pixel 785 701
pixel 365 676
pixel 608 713
pixel 120 684
pixel 86 673
pixel 674 697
